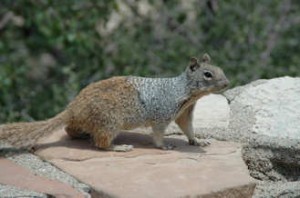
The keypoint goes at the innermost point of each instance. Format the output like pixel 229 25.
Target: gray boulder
pixel 267 107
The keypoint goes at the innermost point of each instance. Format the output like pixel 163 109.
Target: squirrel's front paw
pixel 201 142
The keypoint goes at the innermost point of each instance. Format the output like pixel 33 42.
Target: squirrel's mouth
pixel 225 83
pixel 223 86
pixel 221 90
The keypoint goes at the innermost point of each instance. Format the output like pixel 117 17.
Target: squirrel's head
pixel 204 77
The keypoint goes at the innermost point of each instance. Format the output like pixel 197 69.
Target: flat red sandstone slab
pixel 147 172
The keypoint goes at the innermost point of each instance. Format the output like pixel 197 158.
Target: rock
pixel 277 189
pixel 15 175
pixel 37 167
pixel 263 111
pixel 188 171
pixel 211 111
pixel 265 115
pixel 266 107
pixel 12 191
pixel 44 169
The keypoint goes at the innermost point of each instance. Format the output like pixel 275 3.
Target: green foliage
pixel 51 49
pixel 48 50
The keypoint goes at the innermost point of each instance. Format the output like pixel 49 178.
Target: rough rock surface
pixel 13 174
pixel 12 191
pixel 216 170
pixel 277 167
pixel 259 111
pixel 273 107
pixel 38 171
pixel 265 116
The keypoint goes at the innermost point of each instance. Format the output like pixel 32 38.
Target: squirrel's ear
pixel 206 58
pixel 193 64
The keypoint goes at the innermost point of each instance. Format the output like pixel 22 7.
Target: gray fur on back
pixel 161 98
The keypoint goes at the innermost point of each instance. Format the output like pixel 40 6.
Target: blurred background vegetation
pixel 50 49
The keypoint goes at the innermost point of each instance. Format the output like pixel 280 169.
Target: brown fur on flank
pixel 104 108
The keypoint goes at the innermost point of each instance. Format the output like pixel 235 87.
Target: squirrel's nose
pixel 226 83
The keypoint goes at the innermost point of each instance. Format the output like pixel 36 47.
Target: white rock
pixel 211 111
pixel 275 105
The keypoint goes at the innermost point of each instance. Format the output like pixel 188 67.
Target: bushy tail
pixel 26 134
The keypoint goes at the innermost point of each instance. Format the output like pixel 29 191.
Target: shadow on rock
pixel 138 140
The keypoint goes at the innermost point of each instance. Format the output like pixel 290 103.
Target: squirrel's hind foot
pixel 121 148
pixel 167 147
pixel 199 142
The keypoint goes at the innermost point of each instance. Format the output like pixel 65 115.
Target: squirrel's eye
pixel 208 74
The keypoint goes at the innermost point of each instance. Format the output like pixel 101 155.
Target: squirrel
pixel 104 108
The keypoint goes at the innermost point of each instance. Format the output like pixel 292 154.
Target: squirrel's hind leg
pixel 76 133
pixel 103 140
